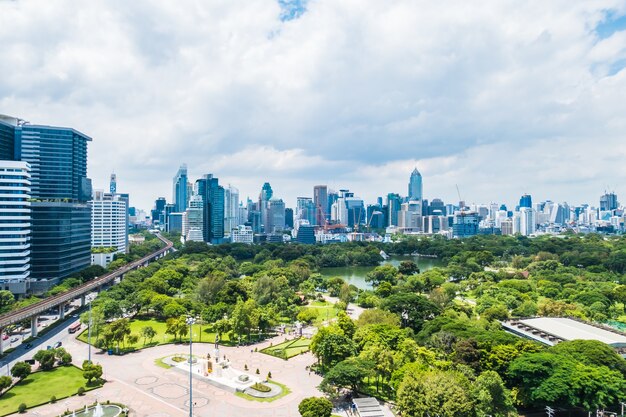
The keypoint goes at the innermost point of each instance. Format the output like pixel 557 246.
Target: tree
pixel 119 329
pixel 173 309
pixel 6 301
pixel 46 359
pixel 377 316
pixel 20 370
pixel 491 396
pixel 91 371
pixel 331 345
pixel 443 393
pixel 346 324
pixel 349 373
pixel 148 332
pixel 315 407
pixel 408 268
pixel 63 356
pixel 5 382
pixel 176 326
pixel 307 315
pixel 384 273
pixel 413 309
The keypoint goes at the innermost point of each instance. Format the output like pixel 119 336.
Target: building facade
pixel 109 226
pixel 180 191
pixel 15 226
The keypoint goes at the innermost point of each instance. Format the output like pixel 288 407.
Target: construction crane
pixel 461 202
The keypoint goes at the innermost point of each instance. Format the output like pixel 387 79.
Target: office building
pixel 193 220
pixel 113 184
pixel 61 218
pixel 275 215
pixel 528 225
pixel 231 209
pixel 306 234
pixel 415 185
pixel 180 192
pixel 465 224
pixel 306 209
pixel 289 223
pixel 212 195
pixel 320 200
pixel 608 202
pixel 526 201
pixel 394 204
pixel 109 227
pixel 15 226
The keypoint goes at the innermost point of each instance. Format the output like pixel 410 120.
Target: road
pixel 58 334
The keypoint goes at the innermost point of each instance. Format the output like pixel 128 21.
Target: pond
pixel 355 275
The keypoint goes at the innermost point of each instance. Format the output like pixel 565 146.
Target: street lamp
pixel 190 321
pixel 89 335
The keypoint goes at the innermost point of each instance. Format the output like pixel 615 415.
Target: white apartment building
pixel 242 234
pixel 109 226
pixel 15 226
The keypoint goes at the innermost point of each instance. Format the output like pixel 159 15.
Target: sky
pixel 499 97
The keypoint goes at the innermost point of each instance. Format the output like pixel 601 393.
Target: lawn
pixel 325 311
pixel 39 387
pixel 285 391
pixel 288 349
pixel 161 338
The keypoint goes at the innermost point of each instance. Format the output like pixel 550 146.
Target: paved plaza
pixel 151 391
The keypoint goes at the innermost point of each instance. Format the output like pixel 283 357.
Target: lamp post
pixel 190 321
pixel 89 335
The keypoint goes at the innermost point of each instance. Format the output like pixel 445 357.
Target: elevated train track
pixel 34 310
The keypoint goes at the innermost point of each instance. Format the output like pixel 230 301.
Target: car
pixel 5 336
pixel 14 339
pixel 58 345
pixel 48 347
pixel 28 345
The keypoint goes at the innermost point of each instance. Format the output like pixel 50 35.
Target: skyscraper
pixel 415 186
pixel 193 220
pixel 608 202
pixel 526 201
pixel 61 218
pixel 15 225
pixel 320 199
pixel 264 197
pixel 394 203
pixel 180 195
pixel 275 215
pixel 212 195
pixel 231 209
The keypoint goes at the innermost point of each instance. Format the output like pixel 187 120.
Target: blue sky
pixel 500 97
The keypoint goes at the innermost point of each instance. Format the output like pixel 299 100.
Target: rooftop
pixel 552 330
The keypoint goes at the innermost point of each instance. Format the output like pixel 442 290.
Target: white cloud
pixel 501 97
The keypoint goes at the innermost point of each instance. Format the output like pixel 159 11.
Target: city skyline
pixel 344 94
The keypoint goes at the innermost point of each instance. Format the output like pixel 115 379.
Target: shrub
pixel 81 391
pixel 257 371
pixel 261 387
pixel 53 399
pixel 21 408
pixel 269 375
pixel 245 367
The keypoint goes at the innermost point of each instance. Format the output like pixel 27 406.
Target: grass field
pixel 204 336
pixel 39 387
pixel 325 310
pixel 288 349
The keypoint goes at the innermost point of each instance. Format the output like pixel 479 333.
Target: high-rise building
pixel 275 215
pixel 415 185
pixel 231 209
pixel 212 195
pixel 158 213
pixel 242 234
pixel 528 224
pixel 526 201
pixel 465 224
pixel 180 195
pixel 109 226
pixel 306 209
pixel 410 216
pixel 193 220
pixel 437 207
pixel 289 218
pixel 60 189
pixel 7 137
pixel 264 197
pixel 15 226
pixel 320 200
pixel 608 202
pixel 394 203
pixel 348 209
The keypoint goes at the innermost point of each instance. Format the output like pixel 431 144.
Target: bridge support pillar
pixel 82 300
pixel 1 341
pixel 33 326
pixel 62 311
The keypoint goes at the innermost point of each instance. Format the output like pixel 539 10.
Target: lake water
pixel 355 275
